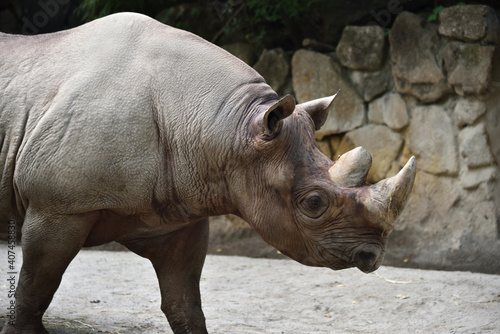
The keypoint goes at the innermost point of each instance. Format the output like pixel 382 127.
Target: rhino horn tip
pixel 395 193
pixel 412 164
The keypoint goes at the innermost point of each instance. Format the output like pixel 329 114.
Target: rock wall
pixel 429 89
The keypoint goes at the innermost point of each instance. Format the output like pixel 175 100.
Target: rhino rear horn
pixel 351 169
pixel 277 112
pixel 318 109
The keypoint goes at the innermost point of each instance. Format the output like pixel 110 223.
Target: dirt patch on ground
pixel 117 292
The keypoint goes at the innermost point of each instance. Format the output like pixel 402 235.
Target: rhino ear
pixel 278 111
pixel 318 109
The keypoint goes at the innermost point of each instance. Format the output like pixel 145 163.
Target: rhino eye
pixel 314 205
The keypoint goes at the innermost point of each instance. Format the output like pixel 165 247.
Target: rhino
pixel 125 129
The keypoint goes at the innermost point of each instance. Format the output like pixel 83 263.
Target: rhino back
pixel 84 113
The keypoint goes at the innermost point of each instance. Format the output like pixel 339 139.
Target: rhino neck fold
pixel 205 156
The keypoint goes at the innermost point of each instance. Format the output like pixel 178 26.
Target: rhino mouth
pixel 366 257
pixel 328 259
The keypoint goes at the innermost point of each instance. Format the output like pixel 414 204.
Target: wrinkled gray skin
pixel 128 130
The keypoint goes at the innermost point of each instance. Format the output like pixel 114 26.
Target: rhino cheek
pixel 275 226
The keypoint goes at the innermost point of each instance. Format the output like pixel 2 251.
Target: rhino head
pixel 314 210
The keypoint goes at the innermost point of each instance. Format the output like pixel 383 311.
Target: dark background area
pixel 264 24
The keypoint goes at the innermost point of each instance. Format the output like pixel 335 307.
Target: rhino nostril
pixel 366 259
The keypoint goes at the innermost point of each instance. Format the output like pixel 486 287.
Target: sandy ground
pixel 117 292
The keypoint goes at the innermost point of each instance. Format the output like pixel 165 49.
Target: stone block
pixel 273 66
pixel 432 197
pixel 362 48
pixel 469 67
pixel 317 75
pixel 468 110
pixel 376 111
pixel 413 49
pixel 370 85
pixel 469 23
pixel 389 109
pixel 471 178
pixel 430 137
pixel 474 147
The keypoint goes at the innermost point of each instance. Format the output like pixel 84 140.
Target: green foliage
pixel 435 13
pixel 262 23
pixel 262 10
pixel 262 16
pixel 93 9
pixel 272 11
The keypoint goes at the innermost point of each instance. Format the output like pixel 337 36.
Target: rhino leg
pixel 49 245
pixel 178 259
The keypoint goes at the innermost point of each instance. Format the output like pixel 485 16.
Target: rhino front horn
pixel 351 169
pixel 388 197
